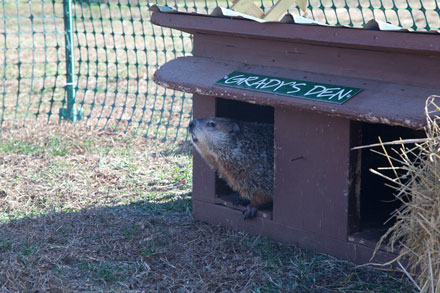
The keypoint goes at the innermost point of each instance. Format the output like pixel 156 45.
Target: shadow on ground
pixel 159 247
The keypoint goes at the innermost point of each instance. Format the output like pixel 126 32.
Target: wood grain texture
pixel 311 176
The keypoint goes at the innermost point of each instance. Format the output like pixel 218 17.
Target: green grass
pixel 102 271
pixel 54 147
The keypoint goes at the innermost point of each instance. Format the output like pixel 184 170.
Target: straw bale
pixel 415 236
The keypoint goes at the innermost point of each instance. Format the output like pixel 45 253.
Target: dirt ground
pixel 90 210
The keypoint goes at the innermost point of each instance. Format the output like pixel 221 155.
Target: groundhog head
pixel 210 134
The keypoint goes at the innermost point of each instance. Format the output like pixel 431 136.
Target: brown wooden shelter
pixel 327 201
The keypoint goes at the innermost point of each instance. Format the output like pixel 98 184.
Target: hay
pixel 416 232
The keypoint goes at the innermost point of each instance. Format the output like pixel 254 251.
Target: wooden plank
pixel 334 36
pixel 228 201
pixel 394 67
pixel 226 217
pixel 354 179
pixel 204 177
pixel 375 104
pixel 312 162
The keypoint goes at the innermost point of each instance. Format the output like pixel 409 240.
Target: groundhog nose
pixel 192 124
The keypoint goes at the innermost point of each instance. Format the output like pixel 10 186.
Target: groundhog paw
pixel 249 212
pixel 241 201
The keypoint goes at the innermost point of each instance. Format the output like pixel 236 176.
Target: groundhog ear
pixel 235 128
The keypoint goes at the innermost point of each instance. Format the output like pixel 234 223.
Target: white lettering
pixel 235 79
pixel 296 87
pixel 313 90
pixel 283 84
pixel 348 95
pixel 271 83
pixel 329 92
pixel 259 83
pixel 250 78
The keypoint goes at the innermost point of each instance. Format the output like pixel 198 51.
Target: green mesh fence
pixel 32 60
pixel 116 52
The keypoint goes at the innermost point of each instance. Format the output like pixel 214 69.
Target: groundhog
pixel 241 153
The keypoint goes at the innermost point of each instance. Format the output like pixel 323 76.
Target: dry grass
pixel 416 233
pixel 88 210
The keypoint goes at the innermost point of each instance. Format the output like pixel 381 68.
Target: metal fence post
pixel 70 113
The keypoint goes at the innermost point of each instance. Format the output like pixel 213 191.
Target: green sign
pixel 289 87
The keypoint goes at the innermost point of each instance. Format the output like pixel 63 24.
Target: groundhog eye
pixel 211 124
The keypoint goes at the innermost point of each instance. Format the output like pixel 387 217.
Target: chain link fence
pixel 93 61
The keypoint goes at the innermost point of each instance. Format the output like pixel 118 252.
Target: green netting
pixel 32 60
pixel 116 52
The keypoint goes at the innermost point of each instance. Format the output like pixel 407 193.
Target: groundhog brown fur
pixel 241 153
